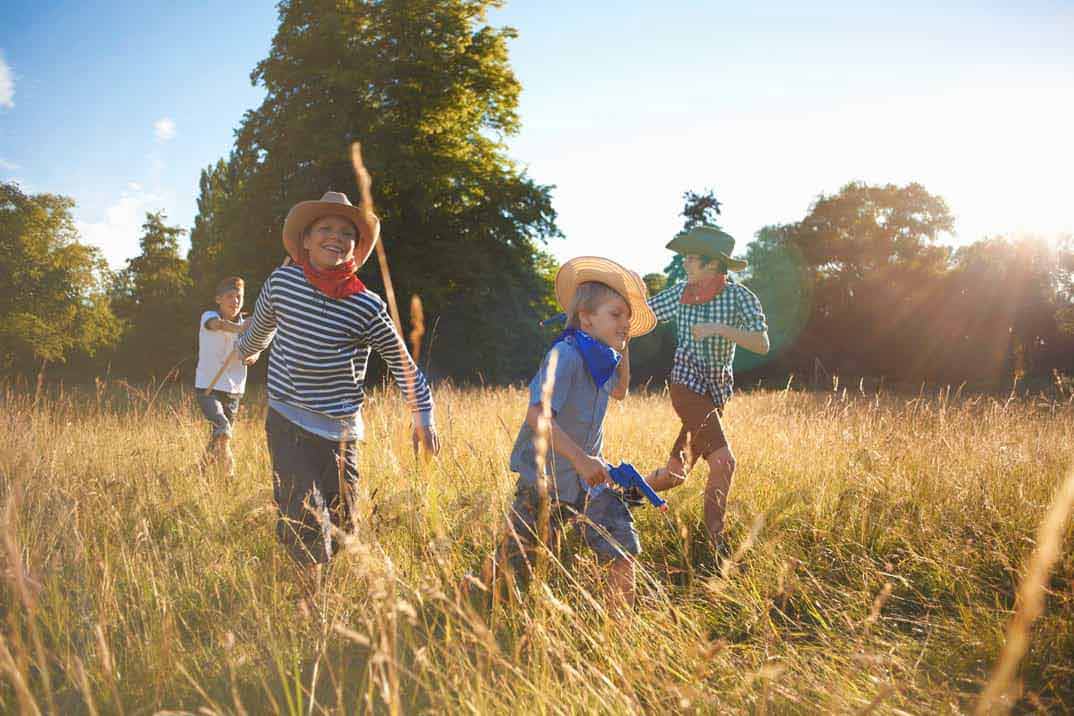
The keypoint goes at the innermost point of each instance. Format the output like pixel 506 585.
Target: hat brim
pixel 624 281
pixel 686 244
pixel 305 213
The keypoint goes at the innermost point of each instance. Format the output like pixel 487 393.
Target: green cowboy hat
pixel 710 242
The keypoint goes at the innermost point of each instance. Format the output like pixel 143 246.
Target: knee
pixel 722 462
pixel 672 476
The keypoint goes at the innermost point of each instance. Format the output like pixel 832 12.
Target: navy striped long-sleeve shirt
pixel 321 346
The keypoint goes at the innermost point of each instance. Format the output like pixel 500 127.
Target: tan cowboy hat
pixel 710 242
pixel 627 283
pixel 333 203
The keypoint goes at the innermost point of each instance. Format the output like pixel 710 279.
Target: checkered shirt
pixel 705 366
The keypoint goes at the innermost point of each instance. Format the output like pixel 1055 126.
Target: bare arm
pixel 754 341
pixel 219 324
pixel 622 375
pixel 592 470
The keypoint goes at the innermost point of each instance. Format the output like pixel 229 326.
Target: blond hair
pixel 588 297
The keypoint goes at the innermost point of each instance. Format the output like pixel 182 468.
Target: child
pixel 605 306
pixel 711 315
pixel 219 401
pixel 325 322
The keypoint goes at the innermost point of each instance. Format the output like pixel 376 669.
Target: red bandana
pixel 338 282
pixel 703 291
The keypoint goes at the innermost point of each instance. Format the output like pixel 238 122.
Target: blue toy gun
pixel 626 477
pixel 558 318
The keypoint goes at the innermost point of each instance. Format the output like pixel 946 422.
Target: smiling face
pixel 230 303
pixel 609 323
pixel 330 242
pixel 699 268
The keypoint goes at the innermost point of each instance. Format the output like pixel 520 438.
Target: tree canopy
pixel 427 88
pixel 53 301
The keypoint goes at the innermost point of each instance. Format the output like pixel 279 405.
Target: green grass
pixel 882 538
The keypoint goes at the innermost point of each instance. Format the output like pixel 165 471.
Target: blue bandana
pixel 601 360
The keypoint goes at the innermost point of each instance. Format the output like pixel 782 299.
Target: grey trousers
pixel 306 486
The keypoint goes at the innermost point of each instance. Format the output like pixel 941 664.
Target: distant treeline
pixel 861 286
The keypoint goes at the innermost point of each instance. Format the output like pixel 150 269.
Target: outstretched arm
pixel 388 344
pixel 260 329
pixel 755 341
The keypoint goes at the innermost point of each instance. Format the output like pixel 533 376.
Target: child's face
pixel 699 268
pixel 330 241
pixel 230 302
pixel 609 324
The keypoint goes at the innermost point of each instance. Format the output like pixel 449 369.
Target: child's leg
pixel 213 410
pixel 621 585
pixel 609 531
pixel 721 470
pixel 298 463
pixel 516 555
pixel 229 403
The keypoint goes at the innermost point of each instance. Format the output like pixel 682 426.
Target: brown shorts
pixel 701 433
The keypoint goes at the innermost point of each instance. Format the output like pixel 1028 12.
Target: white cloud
pixel 164 128
pixel 117 235
pixel 134 186
pixel 8 166
pixel 7 84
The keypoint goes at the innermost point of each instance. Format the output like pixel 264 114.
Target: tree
pixel 778 276
pixel 427 88
pixel 152 296
pixel 869 260
pixel 697 210
pixel 53 303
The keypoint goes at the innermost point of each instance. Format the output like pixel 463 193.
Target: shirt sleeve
pixel 386 341
pixel 749 315
pixel 665 303
pixel 567 362
pixel 262 328
pixel 206 317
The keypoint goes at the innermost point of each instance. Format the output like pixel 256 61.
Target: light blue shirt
pixel 347 428
pixel 579 408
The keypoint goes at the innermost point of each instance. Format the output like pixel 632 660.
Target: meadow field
pixel 880 541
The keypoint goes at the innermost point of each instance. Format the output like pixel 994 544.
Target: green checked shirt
pixel 705 366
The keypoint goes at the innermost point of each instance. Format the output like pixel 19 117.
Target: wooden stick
pixel 216 378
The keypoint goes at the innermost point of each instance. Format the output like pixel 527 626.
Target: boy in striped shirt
pixel 323 322
pixel 712 315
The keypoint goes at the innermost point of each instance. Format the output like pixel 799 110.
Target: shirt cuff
pixel 424 419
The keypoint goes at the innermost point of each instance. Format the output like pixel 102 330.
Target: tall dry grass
pixel 881 543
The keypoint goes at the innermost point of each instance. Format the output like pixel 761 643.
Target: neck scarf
pixel 338 282
pixel 703 291
pixel 601 360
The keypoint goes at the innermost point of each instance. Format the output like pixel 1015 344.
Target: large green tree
pixel 427 88
pixel 53 301
pixel 152 296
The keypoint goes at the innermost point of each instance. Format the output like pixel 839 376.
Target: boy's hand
pixel 426 437
pixel 251 359
pixel 592 470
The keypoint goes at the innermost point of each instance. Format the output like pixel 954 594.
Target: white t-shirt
pixel 214 347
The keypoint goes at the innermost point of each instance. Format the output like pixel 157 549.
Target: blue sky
pixel 625 105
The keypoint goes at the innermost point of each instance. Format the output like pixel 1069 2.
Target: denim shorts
pixel 606 524
pixel 220 409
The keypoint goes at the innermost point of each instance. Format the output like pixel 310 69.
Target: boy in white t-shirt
pixel 217 332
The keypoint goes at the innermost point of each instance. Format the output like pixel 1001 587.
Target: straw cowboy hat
pixel 333 203
pixel 710 242
pixel 627 283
